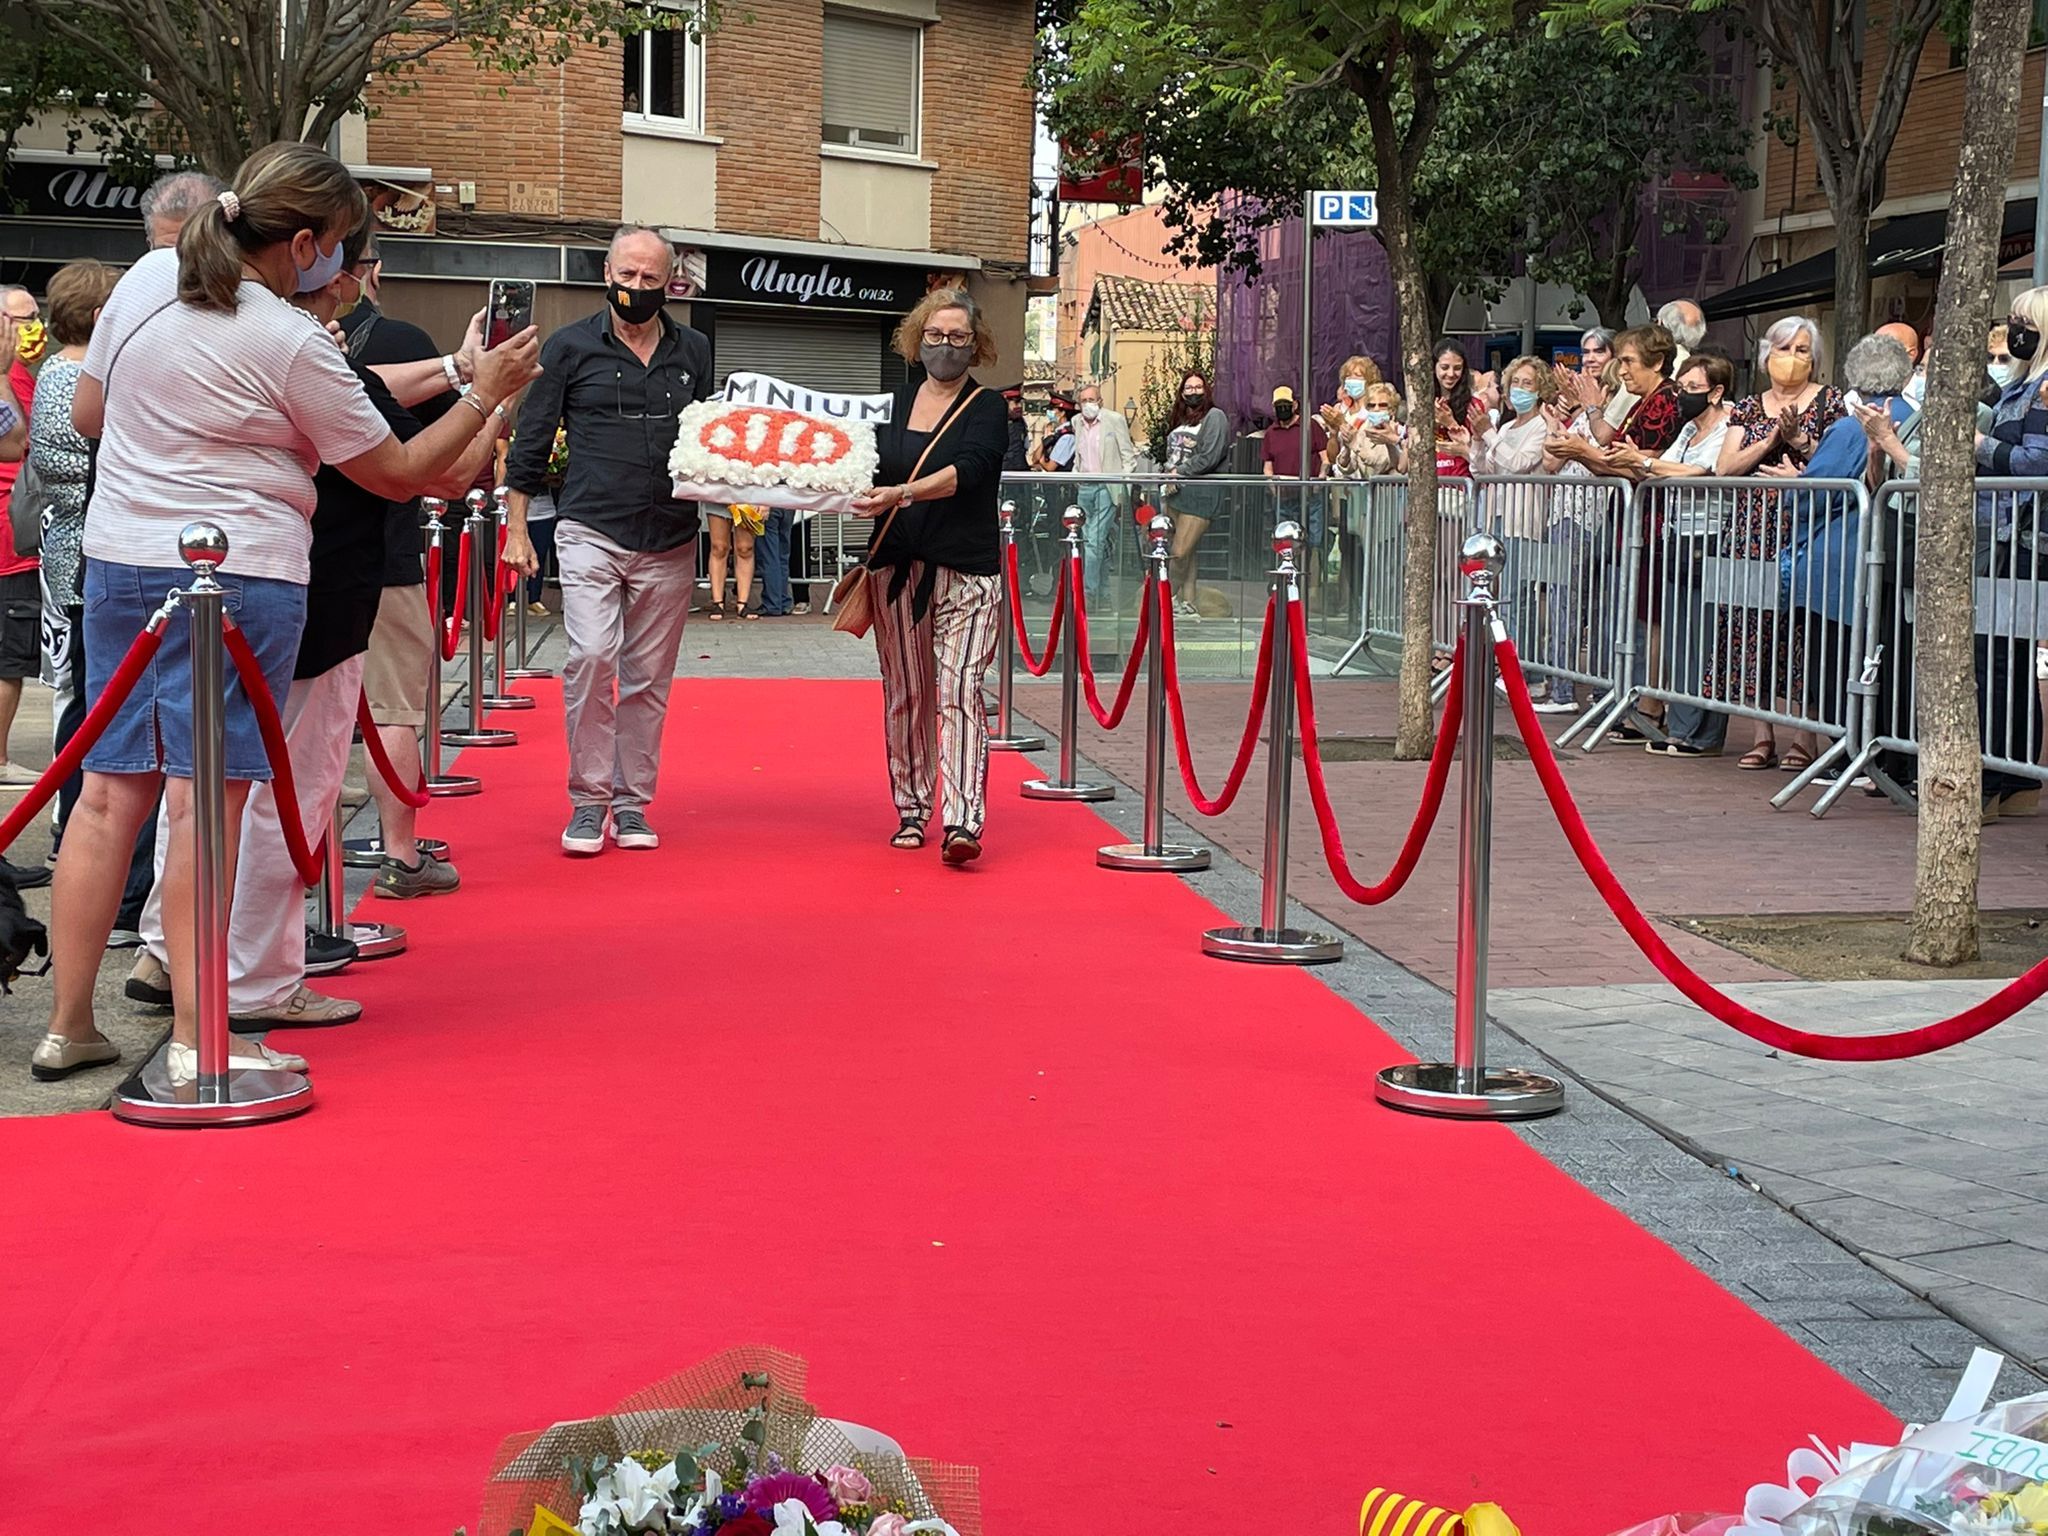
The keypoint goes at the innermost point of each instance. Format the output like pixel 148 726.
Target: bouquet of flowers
pixel 728 1448
pixel 1965 1477
pixel 771 457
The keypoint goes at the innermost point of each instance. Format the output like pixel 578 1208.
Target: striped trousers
pixel 932 670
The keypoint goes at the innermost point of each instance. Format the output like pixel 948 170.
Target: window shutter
pixel 871 70
pixel 841 355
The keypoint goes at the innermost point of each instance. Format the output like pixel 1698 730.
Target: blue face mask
pixel 1355 388
pixel 1378 418
pixel 325 269
pixel 1523 400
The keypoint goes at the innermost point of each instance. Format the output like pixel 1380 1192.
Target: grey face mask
pixel 945 363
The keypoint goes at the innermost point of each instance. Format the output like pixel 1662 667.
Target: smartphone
pixel 509 311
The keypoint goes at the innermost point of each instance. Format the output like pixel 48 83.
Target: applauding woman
pixel 936 562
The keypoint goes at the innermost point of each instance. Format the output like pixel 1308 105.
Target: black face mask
pixel 2022 340
pixel 1693 402
pixel 1284 412
pixel 1194 402
pixel 636 306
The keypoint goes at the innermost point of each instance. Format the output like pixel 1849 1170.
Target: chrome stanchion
pixel 373 941
pixel 181 1086
pixel 1006 738
pixel 1272 942
pixel 483 573
pixel 1467 1088
pixel 501 517
pixel 1066 786
pixel 1155 852
pixel 526 670
pixel 439 784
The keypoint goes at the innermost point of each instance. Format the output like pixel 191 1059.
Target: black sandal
pixel 960 846
pixel 909 835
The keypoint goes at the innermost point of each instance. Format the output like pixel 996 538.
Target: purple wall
pixel 1258 323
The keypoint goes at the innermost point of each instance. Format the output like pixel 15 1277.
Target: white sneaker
pixel 1556 707
pixel 182 1061
pixel 1185 610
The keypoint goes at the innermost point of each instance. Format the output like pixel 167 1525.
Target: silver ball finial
pixel 502 495
pixel 1160 526
pixel 203 544
pixel 1485 550
pixel 1072 518
pixel 475 501
pixel 1007 512
pixel 1286 537
pixel 436 507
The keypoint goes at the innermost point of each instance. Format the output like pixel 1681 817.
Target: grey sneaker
pixel 585 832
pixel 402 882
pixel 630 829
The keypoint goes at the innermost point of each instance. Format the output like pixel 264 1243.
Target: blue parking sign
pixel 1345 210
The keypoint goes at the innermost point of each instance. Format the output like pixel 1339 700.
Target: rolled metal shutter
pixel 816 352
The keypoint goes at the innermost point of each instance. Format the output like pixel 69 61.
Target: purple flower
pixel 764 1493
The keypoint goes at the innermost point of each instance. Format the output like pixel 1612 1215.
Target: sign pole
pixel 1304 411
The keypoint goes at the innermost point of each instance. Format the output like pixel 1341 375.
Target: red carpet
pixel 1030 1183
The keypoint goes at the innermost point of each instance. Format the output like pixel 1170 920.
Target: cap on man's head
pixel 1283 392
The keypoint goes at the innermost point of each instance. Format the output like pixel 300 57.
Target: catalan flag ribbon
pixel 1394 1514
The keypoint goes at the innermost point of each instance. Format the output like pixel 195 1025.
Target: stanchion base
pixel 528 674
pixel 1167 856
pixel 1016 743
pixel 368 852
pixel 1505 1093
pixel 484 738
pixel 254 1097
pixel 507 701
pixel 1273 946
pixel 450 785
pixel 376 941
pixel 1052 789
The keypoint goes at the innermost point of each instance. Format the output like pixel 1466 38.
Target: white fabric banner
pixel 780 394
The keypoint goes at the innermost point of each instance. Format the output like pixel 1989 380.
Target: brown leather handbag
pixel 854 599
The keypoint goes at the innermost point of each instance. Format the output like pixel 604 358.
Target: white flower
pixel 696 462
pixel 938 1526
pixel 792 1519
pixel 627 1497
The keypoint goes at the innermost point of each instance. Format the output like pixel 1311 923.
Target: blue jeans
pixel 542 535
pixel 771 551
pixel 1098 536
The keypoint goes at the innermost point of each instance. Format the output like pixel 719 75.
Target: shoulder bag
pixel 853 595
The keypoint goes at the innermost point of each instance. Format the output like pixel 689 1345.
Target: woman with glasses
pixel 935 562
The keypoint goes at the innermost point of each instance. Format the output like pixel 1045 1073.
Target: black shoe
pixel 27 879
pixel 326 954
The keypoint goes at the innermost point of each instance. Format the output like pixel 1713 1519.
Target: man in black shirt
pixel 395 668
pixel 627 550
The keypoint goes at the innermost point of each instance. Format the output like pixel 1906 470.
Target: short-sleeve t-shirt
pixel 216 416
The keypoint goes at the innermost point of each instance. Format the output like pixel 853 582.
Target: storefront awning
pixel 1913 243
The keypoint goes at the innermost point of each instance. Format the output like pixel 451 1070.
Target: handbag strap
pixel 959 410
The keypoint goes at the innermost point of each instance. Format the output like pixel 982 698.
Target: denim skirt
pixel 152 733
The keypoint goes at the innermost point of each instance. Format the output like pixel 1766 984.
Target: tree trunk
pixel 1416 732
pixel 1852 268
pixel 1945 868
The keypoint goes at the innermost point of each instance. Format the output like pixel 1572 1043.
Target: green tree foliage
pixel 46 76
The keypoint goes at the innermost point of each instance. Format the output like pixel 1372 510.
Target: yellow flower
pixel 2031 1504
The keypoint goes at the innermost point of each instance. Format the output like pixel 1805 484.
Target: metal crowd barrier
pixel 1375 514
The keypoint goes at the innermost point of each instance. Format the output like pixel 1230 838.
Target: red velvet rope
pixel 311 866
pixel 1109 719
pixel 451 635
pixel 94 726
pixel 494 613
pixel 374 745
pixel 1319 792
pixel 1036 666
pixel 1939 1035
pixel 1262 683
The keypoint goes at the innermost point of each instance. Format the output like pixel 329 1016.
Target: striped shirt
pixel 217 417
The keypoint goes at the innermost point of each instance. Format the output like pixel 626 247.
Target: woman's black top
pixel 959 531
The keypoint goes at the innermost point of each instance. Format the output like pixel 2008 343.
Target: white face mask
pixel 2002 374
pixel 1916 390
pixel 1090 410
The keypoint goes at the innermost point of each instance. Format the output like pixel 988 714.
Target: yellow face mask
pixel 29 341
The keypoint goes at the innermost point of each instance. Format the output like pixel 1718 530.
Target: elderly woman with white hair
pixel 1759 660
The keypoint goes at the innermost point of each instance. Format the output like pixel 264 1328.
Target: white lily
pixel 641 1493
pixel 793 1519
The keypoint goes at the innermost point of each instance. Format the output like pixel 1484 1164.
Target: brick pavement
pixel 1687 838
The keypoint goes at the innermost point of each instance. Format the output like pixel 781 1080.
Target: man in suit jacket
pixel 1102 447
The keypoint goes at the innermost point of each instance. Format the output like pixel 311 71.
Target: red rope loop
pixel 1939 1035
pixel 374 745
pixel 310 865
pixel 1037 666
pixel 494 613
pixel 1262 683
pixel 451 635
pixel 1432 786
pixel 1109 719
pixel 94 726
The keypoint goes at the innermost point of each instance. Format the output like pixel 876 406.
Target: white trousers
pixel 267 921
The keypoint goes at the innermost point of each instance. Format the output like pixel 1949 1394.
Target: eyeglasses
pixel 654 376
pixel 957 339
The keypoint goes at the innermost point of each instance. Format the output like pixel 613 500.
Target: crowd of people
pixel 240 372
